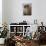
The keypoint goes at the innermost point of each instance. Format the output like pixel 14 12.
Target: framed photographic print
pixel 27 9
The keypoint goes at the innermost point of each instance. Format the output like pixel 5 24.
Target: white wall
pixel 0 13
pixel 17 10
pixel 4 11
pixel 13 11
pixel 39 10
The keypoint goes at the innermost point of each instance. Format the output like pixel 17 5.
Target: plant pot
pixel 2 40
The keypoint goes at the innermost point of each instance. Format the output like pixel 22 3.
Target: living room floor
pixel 42 45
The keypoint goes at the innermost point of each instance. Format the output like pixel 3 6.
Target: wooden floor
pixel 42 45
pixel 32 45
pixel 1 45
pixel 36 44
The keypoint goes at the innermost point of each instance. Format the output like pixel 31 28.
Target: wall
pixel 0 13
pixel 39 10
pixel 16 10
pixel 13 11
pixel 4 11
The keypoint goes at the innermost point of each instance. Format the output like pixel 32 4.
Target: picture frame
pixel 27 9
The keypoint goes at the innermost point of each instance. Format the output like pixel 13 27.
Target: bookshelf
pixel 18 29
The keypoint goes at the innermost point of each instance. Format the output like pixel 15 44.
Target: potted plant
pixel 3 34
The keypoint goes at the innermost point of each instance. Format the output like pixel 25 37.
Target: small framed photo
pixel 27 9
